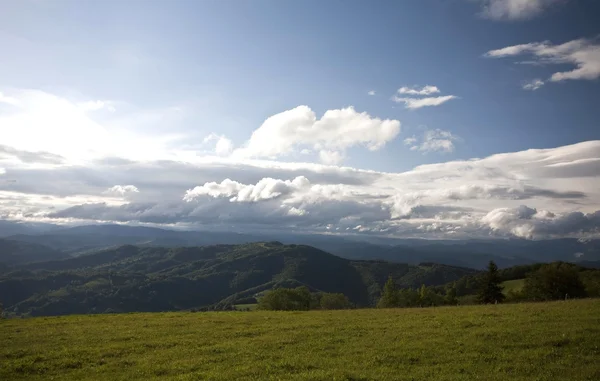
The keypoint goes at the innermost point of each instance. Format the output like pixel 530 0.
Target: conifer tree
pixel 491 288
pixel 390 296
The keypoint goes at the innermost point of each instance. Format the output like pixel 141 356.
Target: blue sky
pixel 177 76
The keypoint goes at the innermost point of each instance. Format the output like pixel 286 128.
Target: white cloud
pixel 223 145
pixel 97 105
pixel 415 103
pixel 337 130
pixel 265 189
pixel 533 85
pixel 526 222
pixel 584 54
pixel 226 188
pixel 426 90
pixel 57 125
pixel 296 212
pixel 455 198
pixel 9 100
pixel 66 128
pixel 181 186
pixel 515 9
pixel 371 92
pixel 436 140
pixel 331 157
pixel 122 189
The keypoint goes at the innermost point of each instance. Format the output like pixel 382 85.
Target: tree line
pixel 545 282
pixel 301 299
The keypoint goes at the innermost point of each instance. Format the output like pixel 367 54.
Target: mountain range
pixel 78 240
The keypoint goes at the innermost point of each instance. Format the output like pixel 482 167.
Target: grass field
pixel 244 307
pixel 513 285
pixel 537 341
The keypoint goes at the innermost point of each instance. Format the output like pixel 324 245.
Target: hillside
pixel 131 278
pixel 541 341
pixel 17 252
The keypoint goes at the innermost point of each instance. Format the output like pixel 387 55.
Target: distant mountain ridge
pixel 131 278
pixel 467 253
pixel 15 252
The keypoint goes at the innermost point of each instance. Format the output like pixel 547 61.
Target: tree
pixel 286 299
pixel 407 297
pixel 451 298
pixel 491 288
pixel 554 281
pixel 389 297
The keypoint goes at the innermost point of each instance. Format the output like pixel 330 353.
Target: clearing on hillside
pixel 514 285
pixel 541 341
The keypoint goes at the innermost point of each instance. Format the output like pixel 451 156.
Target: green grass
pixel 243 307
pixel 513 285
pixel 535 341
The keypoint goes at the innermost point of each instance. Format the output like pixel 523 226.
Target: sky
pixel 431 118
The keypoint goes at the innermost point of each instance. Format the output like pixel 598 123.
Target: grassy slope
pixel 543 341
pixel 513 285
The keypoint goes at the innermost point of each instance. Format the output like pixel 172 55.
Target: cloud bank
pixel 538 193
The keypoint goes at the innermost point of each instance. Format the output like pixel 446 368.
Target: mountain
pixel 131 278
pixel 16 252
pixel 466 253
pixel 8 228
pixel 81 239
pixel 477 253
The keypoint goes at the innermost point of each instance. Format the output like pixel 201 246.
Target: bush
pixel 286 299
pixel 331 301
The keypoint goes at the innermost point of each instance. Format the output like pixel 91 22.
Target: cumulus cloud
pixel 371 92
pixel 336 131
pixel 584 54
pixel 122 190
pixel 433 141
pixel 515 9
pixel 265 189
pixel 533 85
pixel 243 190
pixel 472 198
pixel 530 223
pixel 223 145
pixel 426 90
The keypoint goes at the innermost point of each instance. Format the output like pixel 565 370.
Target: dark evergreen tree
pixel 491 288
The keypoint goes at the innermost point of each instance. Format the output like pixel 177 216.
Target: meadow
pixel 514 285
pixel 529 341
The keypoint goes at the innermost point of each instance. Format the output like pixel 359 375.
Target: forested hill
pixel 14 252
pixel 131 278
